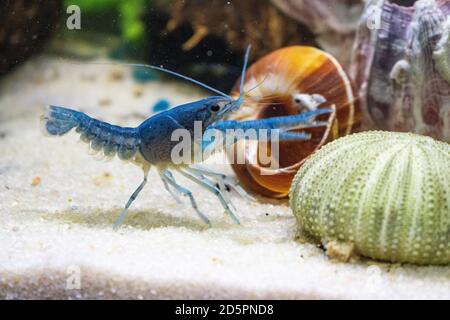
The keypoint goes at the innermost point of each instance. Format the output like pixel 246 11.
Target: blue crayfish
pixel 150 144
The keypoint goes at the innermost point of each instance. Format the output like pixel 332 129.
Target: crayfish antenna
pixel 244 70
pixel 173 73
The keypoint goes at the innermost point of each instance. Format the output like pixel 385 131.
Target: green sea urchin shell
pixel 387 195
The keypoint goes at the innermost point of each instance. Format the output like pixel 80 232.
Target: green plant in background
pixel 129 13
pixel 132 26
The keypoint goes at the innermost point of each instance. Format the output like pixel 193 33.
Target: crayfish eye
pixel 215 108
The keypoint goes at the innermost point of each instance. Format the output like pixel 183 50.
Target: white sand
pixel 64 223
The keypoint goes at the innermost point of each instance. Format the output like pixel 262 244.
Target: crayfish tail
pixel 58 121
pixel 102 137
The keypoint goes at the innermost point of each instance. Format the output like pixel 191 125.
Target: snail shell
pixel 275 85
pixel 385 194
pixel 401 65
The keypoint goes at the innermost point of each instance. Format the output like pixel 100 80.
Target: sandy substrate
pixel 57 206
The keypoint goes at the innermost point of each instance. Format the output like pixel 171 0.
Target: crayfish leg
pixel 216 191
pixel 168 178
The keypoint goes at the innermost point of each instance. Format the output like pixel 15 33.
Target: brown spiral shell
pixel 271 84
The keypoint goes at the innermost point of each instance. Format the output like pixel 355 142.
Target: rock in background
pixel 25 27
